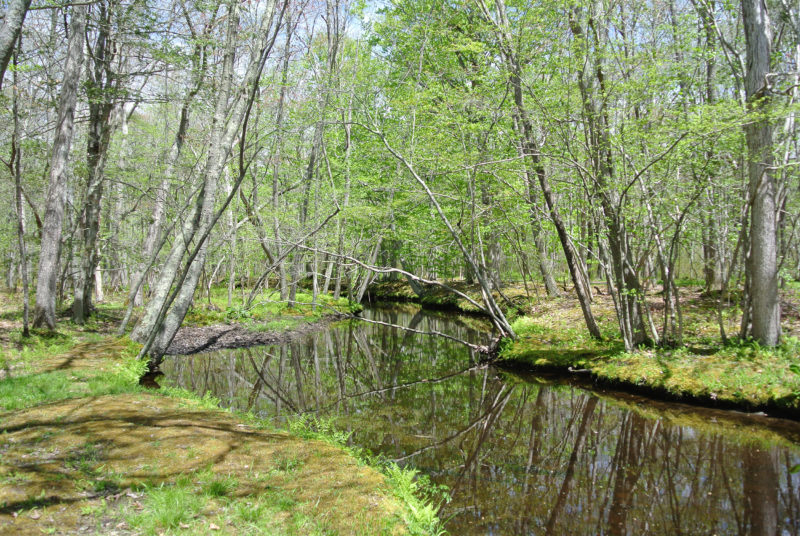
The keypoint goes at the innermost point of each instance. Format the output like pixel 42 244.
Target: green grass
pixel 166 507
pixel 33 389
pixel 220 486
pixel 48 369
pixel 268 312
pixel 741 374
pixel 562 345
pixel 272 513
pixel 744 374
pixel 420 498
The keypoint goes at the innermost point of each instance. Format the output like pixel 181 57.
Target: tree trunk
pixel 597 126
pixel 10 31
pixel 16 162
pixel 536 169
pixel 762 264
pixel 100 88
pixel 541 251
pixel 45 309
pixel 231 111
pixel 276 170
pixel 155 229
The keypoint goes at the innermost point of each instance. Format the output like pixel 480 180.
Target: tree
pixel 45 309
pixel 166 310
pixel 762 264
pixel 9 32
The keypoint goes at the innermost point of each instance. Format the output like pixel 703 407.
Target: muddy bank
pixel 193 340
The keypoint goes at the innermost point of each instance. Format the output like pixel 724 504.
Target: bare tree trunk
pixel 712 255
pixel 276 224
pixel 368 275
pixel 545 267
pixel 155 230
pixel 45 310
pixel 597 125
pixel 16 162
pixel 536 168
pixel 342 222
pixel 100 86
pixel 762 264
pixel 10 31
pixel 231 244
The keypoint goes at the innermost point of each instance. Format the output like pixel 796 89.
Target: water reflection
pixel 520 457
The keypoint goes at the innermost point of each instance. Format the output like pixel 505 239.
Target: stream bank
pixel 85 449
pixel 516 452
pixel 551 338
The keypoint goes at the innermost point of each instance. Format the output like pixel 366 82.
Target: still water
pixel 521 455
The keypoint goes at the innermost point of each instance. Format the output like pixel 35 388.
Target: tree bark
pixel 45 309
pixel 16 162
pixel 100 89
pixel 10 31
pixel 762 264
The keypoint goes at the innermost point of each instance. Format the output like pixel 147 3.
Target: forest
pixel 154 149
pixel 613 185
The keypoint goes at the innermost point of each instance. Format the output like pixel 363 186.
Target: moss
pixel 87 450
pixel 172 453
pixel 744 374
pixel 553 337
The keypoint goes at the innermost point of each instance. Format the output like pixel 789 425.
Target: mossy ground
pixel 149 463
pixel 85 449
pixel 551 336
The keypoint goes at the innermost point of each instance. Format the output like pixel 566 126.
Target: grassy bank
pixel 83 448
pixel 551 336
pixel 744 375
pixel 268 312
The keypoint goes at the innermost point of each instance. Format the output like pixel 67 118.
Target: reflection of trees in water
pixel 519 458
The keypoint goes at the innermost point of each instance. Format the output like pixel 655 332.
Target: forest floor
pixel 84 449
pixel 552 337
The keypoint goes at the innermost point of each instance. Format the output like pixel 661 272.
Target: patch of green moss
pixel 745 375
pixel 87 447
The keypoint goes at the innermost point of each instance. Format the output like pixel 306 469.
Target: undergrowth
pixel 268 312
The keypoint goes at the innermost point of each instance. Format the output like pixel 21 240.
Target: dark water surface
pixel 520 455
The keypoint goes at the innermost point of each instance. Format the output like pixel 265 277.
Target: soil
pixel 193 340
